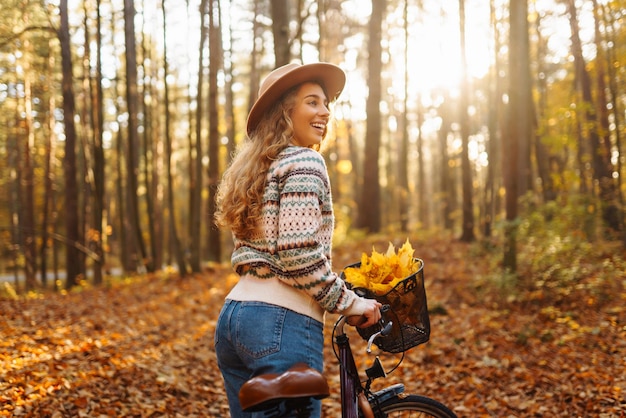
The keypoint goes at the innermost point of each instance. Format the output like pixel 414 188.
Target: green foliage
pixel 497 280
pixel 555 246
pixel 558 254
pixel 8 291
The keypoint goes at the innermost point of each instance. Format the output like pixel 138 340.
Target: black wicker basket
pixel 409 313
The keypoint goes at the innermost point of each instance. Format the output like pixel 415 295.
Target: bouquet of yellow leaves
pixel 380 272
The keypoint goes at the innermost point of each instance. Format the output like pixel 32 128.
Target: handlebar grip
pixel 386 329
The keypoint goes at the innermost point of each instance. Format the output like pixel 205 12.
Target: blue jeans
pixel 253 338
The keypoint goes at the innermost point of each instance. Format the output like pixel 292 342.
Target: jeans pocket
pixel 260 329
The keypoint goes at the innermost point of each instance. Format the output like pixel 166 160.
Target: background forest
pixel 495 121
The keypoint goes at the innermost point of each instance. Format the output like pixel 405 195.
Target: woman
pixel 276 199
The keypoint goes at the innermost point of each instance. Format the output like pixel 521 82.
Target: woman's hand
pixel 370 316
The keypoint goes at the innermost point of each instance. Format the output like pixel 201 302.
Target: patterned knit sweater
pixel 294 243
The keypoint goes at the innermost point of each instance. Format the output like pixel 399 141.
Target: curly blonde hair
pixel 240 193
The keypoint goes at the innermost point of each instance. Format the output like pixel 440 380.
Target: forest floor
pixel 144 348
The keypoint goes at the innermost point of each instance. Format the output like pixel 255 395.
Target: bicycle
pixel 289 394
pixel 404 324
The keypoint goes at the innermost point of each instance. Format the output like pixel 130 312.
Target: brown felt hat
pixel 279 81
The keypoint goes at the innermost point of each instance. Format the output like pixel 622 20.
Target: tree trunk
pixel 610 191
pixel 254 76
pixel 356 163
pixel 13 151
pixel 118 209
pixel 280 30
pixel 403 150
pixel 600 155
pixel 542 154
pixel 121 209
pixel 467 234
pixel 518 122
pixel 132 103
pixel 493 122
pixel 229 117
pixel 195 173
pixel 98 156
pixel 86 175
pixel 369 208
pixel 175 241
pixel 445 179
pixel 49 169
pixel 72 259
pixel 151 145
pixel 423 187
pixel 213 170
pixel 28 211
pixel 617 111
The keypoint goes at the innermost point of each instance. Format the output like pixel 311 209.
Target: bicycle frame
pixel 348 374
pixel 353 397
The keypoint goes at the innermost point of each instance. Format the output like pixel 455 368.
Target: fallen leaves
pixel 145 348
pixel 139 350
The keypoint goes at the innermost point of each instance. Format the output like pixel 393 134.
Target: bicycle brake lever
pixel 386 330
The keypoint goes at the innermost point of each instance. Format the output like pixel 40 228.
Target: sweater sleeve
pixel 305 227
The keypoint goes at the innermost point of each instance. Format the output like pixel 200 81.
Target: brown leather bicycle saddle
pixel 300 381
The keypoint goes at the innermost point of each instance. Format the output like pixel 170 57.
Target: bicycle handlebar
pixel 385 327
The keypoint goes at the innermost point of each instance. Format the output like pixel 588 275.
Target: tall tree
pixel 518 124
pixel 611 30
pixel 600 149
pixel 446 184
pixel 257 44
pixel 403 149
pixel 195 172
pixel 119 206
pixel 601 87
pixel 423 186
pixel 280 28
pixel 151 146
pixel 494 119
pixel 369 209
pixel 215 51
pixel 27 214
pixel 467 228
pixel 229 108
pixel 72 256
pixel 97 117
pixel 84 113
pixel 132 103
pixel 174 238
pixel 543 155
pixel 48 211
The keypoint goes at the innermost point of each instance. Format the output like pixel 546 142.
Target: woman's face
pixel 309 115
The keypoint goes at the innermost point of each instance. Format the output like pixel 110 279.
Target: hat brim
pixel 333 78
